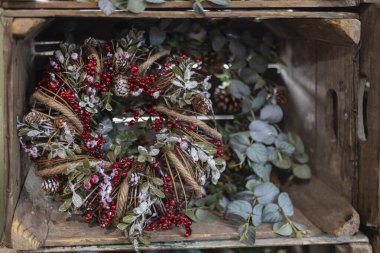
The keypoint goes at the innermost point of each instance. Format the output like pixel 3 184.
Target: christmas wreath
pixel 138 175
pixel 116 132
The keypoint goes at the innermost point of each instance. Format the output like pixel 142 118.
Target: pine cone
pixel 50 185
pixel 90 43
pixel 35 117
pixel 201 104
pixel 225 102
pixel 61 122
pixel 211 63
pixel 121 86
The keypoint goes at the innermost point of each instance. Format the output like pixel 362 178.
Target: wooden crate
pixel 321 52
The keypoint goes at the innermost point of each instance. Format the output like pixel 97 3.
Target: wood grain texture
pixel 354 248
pixel 23 27
pixel 337 74
pixel 39 223
pixel 216 244
pixel 368 200
pixel 328 210
pixel 334 31
pixel 260 14
pixel 188 4
pixel 18 75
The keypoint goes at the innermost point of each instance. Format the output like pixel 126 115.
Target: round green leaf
pixel 285 203
pixel 283 229
pixel 302 171
pixel 257 153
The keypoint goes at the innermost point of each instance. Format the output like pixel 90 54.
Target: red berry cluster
pixel 145 83
pixel 108 214
pixel 175 124
pixel 174 215
pixel 220 149
pixel 120 169
pixel 94 144
pixel 90 70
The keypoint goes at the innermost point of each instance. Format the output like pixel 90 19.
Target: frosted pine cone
pixel 225 102
pixel 201 104
pixel 36 117
pixel 121 86
pixel 50 185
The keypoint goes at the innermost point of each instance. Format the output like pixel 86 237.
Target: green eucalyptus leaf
pixel 271 213
pixel 281 228
pixel 158 192
pixel 240 208
pixel 285 203
pixel 157 181
pixel 271 113
pixel 240 142
pixel 259 100
pixel 122 226
pixel 257 214
pixel 65 205
pixel 129 219
pixel 238 89
pixel 257 153
pixel 266 193
pixel 252 183
pixel 106 6
pixel 258 63
pixel 301 158
pixel 302 171
pixel 136 6
pixel 283 163
pixel 247 234
pixel 220 2
pixel 261 131
pixel 285 147
pixel 297 142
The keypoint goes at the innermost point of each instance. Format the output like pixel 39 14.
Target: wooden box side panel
pixel 369 150
pixel 18 74
pixel 321 78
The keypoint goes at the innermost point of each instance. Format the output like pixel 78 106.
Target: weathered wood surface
pixel 23 27
pixel 368 200
pixel 187 4
pixel 260 14
pixel 18 74
pixel 334 31
pixel 325 208
pixel 221 244
pixel 354 248
pixel 337 75
pixel 321 78
pixel 30 221
pixel 38 223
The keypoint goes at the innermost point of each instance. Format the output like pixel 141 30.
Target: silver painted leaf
pixel 271 113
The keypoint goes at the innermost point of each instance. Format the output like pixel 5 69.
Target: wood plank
pixel 76 232
pixel 337 75
pixel 18 75
pixel 221 244
pixel 354 248
pixel 187 4
pixel 259 14
pixel 334 31
pixel 368 199
pixel 325 208
pixel 23 27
